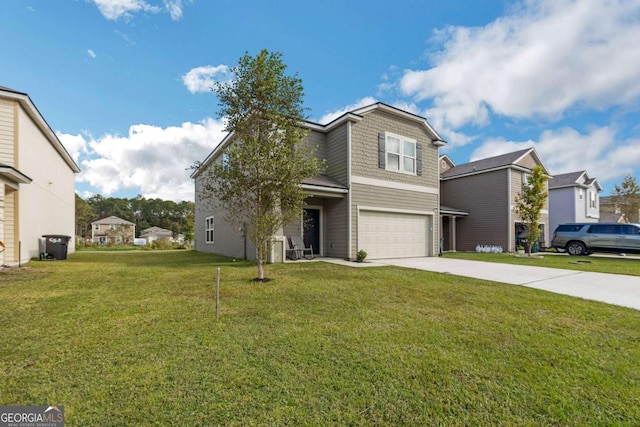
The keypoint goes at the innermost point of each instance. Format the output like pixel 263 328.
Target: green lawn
pixel 630 265
pixel 131 339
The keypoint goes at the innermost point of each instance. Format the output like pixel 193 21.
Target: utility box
pixel 55 246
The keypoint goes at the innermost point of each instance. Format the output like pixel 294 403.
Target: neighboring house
pixel 478 201
pixel 609 207
pixel 614 217
pixel 112 230
pixel 379 191
pixel 155 233
pixel 37 174
pixel 573 197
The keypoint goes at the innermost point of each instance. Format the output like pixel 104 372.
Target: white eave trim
pixel 14 175
pixel 25 102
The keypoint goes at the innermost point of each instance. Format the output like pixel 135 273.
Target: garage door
pixel 393 235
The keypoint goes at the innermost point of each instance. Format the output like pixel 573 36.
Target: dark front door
pixel 311 234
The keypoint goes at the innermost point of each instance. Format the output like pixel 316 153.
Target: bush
pixel 361 255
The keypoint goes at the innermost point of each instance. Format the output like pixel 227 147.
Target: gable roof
pixel 112 220
pixel 350 116
pixel 155 229
pixel 573 179
pixel 25 101
pixel 503 161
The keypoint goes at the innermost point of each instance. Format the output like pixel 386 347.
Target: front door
pixel 311 234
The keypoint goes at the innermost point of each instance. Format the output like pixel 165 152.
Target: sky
pixel 125 84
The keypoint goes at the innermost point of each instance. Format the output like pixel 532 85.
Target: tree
pixel 530 202
pixel 626 198
pixel 84 216
pixel 258 183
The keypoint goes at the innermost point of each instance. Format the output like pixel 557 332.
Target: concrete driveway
pixel 610 288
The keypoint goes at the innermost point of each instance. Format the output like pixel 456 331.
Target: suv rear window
pixel 569 227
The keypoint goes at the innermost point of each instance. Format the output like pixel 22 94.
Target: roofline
pixel 510 166
pixel 25 101
pixel 350 116
pixel 533 151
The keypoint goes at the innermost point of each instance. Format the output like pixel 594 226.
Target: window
pixel 96 227
pixel 225 162
pixel 112 226
pixel 401 153
pixel 592 199
pixel 443 165
pixel 580 193
pixel 208 229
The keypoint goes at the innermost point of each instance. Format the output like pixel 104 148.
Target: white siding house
pixel 37 188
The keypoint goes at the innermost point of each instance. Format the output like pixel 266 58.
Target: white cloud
pixel 599 152
pixel 151 160
pixel 202 79
pixel 91 53
pixel 116 9
pixel 75 144
pixel 544 57
pixel 328 117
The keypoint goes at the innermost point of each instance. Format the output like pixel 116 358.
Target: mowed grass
pixel 131 339
pixel 600 264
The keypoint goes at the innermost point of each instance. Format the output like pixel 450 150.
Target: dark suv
pixel 585 238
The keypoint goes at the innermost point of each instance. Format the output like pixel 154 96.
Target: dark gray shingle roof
pixel 565 179
pixel 486 164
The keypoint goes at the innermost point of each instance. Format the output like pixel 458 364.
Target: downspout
pixel 350 209
pixel 511 230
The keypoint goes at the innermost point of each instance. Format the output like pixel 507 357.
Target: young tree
pixel 258 183
pixel 627 198
pixel 530 202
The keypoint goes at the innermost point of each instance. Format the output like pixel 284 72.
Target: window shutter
pixel 418 159
pixel 382 152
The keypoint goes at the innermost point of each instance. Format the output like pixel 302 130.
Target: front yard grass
pixel 131 339
pixel 599 264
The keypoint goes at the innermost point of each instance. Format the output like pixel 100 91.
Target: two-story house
pixel 37 180
pixel 112 230
pixel 379 191
pixel 478 201
pixel 573 197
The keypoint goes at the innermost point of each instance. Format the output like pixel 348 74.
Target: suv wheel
pixel 576 248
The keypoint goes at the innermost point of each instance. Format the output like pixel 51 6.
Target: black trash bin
pixel 56 246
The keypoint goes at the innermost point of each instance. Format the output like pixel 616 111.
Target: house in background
pixel 614 217
pixel 379 191
pixel 573 197
pixel 609 207
pixel 478 201
pixel 112 230
pixel 37 180
pixel 155 233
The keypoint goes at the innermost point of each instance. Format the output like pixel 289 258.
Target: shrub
pixel 361 255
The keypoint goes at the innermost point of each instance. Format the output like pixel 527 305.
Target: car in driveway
pixel 586 238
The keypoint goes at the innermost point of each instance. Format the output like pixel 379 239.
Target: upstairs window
pixel 400 153
pixel 225 162
pixel 208 229
pixel 592 199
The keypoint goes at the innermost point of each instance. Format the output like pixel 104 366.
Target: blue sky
pixel 124 82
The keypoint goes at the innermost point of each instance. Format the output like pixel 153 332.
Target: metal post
pixel 217 291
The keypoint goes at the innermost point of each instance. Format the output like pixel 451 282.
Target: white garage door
pixel 393 235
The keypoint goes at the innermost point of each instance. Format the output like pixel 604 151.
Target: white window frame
pixel 592 199
pixel 402 156
pixel 209 228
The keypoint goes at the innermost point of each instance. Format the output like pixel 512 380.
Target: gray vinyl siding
pixel 390 198
pixel 336 154
pixel 336 230
pixel 316 141
pixel 227 238
pixel 364 149
pixel 486 197
pixel 562 206
pixel 7 132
